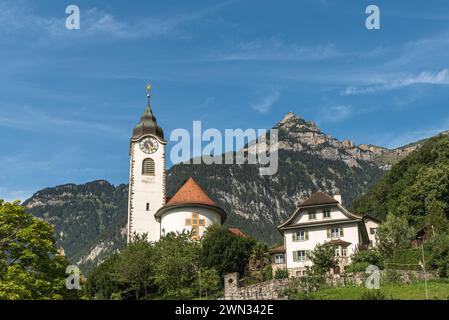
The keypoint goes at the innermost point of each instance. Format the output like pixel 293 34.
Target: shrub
pixel 439 255
pixel 268 273
pixel 323 259
pixel 368 257
pixel 357 267
pixel 395 233
pixel 373 294
pixel 281 274
pixel 408 259
pixel 210 281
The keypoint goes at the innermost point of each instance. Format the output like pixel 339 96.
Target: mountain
pixel 385 158
pixel 89 219
pixel 92 217
pixel 416 186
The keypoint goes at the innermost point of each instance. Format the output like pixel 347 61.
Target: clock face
pixel 149 145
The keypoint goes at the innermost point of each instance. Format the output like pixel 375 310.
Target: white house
pixel 317 220
pixel 371 227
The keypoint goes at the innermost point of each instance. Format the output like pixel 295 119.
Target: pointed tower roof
pixel 191 192
pixel 147 124
pixel 190 195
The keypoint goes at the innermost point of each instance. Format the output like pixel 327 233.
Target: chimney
pixel 338 198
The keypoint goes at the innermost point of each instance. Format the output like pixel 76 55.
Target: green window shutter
pixel 328 233
pixel 294 236
pixel 307 254
pixel 307 234
pixel 341 232
pixel 295 256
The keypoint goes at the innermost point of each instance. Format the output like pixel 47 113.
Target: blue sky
pixel 69 99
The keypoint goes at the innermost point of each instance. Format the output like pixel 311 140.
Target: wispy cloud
pixel 277 50
pixel 438 78
pixel 265 104
pixel 335 113
pixel 16 18
pixel 28 119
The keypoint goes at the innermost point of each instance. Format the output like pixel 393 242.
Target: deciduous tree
pixel 29 265
pixel 395 233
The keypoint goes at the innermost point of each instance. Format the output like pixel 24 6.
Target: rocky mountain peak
pixel 289 116
pixel 299 135
pixel 293 121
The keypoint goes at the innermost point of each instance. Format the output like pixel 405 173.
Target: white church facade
pixel 149 212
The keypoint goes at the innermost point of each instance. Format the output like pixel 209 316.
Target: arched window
pixel 148 167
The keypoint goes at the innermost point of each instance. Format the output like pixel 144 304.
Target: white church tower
pixel 147 176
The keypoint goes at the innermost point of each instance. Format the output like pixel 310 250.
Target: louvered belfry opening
pixel 148 167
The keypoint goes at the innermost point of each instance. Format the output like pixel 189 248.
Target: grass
pixel 438 289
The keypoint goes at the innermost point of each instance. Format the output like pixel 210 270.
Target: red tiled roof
pixel 237 232
pixel 190 192
pixel 318 198
pixel 278 249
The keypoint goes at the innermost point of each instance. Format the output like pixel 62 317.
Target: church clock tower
pixel 147 176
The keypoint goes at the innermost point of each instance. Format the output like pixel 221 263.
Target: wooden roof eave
pixel 319 223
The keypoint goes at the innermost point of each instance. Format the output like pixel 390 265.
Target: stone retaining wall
pixel 272 290
pixel 268 290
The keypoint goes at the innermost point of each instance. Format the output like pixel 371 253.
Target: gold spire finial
pixel 148 88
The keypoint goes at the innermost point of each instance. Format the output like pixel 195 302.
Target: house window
pixel 148 167
pixel 279 258
pixel 326 214
pixel 301 273
pixel 341 251
pixel 148 206
pixel 300 235
pixel 337 251
pixel 312 215
pixel 336 232
pixel 372 230
pixel 299 256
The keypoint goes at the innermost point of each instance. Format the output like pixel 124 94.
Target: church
pixel 150 211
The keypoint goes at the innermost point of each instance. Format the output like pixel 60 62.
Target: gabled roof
pixel 368 217
pixel 318 198
pixel 191 195
pixel 191 192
